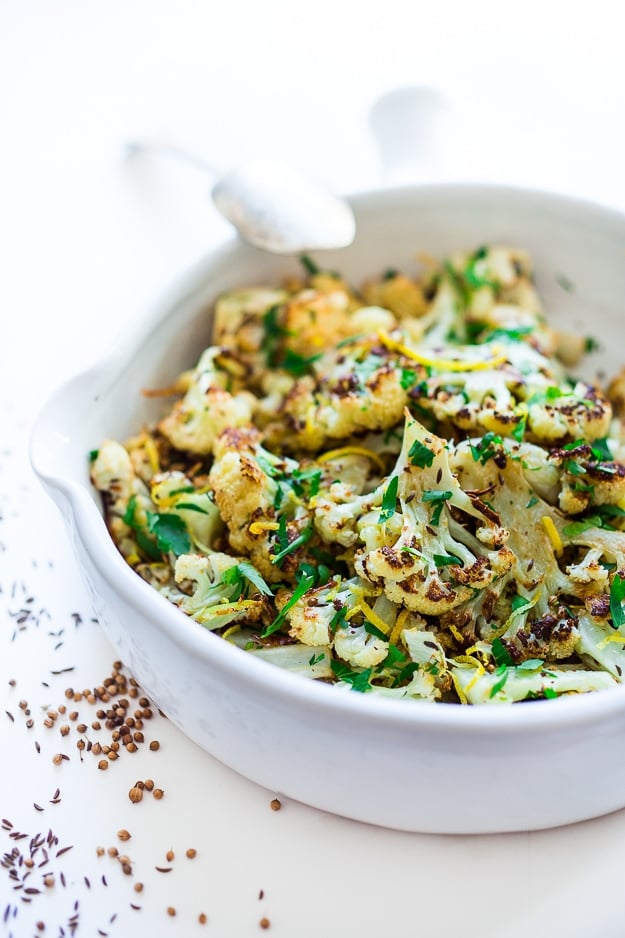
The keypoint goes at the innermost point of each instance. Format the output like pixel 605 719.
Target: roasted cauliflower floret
pixel 216 590
pixel 207 409
pixel 436 562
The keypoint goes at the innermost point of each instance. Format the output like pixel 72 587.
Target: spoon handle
pixel 140 147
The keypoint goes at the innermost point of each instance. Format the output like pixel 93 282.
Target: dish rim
pixel 190 636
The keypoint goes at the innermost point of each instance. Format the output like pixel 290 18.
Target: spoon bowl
pixel 273 206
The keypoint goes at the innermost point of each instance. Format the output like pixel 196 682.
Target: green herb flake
pixel 315 659
pixel 500 653
pixel 297 365
pixel 500 684
pixel 617 595
pixel 338 620
pixel 305 583
pixel 390 274
pixel 359 680
pixel 309 265
pixel 518 602
pixel 533 501
pixel 519 431
pixel 170 531
pixel 486 448
pixel 601 450
pixel 549 693
pixel 389 500
pixel 438 498
pixel 420 455
pixel 408 378
pixel 578 527
pixel 441 560
pixel 290 546
pixel 93 455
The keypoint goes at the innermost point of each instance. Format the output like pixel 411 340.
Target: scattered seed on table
pixel 191 853
pixel 170 855
pixel 202 918
pixel 103 764
pixel 158 793
pixel 170 910
pixel 149 784
pixel 264 923
pixel 276 804
pixel 164 869
pixel 135 794
pixel 138 887
pixel 123 834
pixel 154 745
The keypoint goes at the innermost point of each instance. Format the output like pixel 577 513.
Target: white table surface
pixel 534 97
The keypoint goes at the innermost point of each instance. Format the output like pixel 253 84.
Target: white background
pixel 534 96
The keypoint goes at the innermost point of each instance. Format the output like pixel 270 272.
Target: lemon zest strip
pixel 553 535
pixel 398 628
pixel 259 527
pixel 442 364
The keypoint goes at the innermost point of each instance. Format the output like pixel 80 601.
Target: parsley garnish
pixel 389 500
pixel 338 620
pixel 305 582
pixel 390 274
pixel 601 450
pixel 578 527
pixel 519 431
pixel 500 653
pixel 145 544
pixel 533 501
pixel 170 531
pixel 499 685
pixel 518 602
pixel 309 265
pixel 408 378
pixel 244 570
pixel 438 498
pixel 617 595
pixel 374 630
pixel 315 659
pixel 485 448
pixel 550 693
pixel 296 364
pixel 286 546
pixel 359 680
pixel 443 560
pixel 420 455
pixel 93 455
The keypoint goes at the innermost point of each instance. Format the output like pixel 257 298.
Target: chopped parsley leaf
pixel 170 531
pixel 309 265
pixel 500 653
pixel 438 498
pixel 359 680
pixel 420 455
pixel 305 582
pixel 389 500
pixel 617 595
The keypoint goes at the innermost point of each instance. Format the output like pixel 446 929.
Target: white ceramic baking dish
pixel 408 765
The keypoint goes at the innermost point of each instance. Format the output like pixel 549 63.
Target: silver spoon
pixel 272 205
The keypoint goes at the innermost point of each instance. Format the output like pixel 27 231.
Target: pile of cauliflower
pixel 398 490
